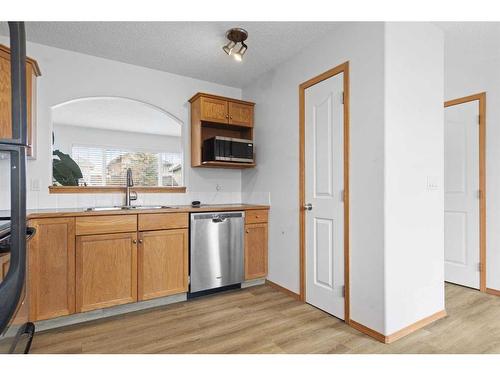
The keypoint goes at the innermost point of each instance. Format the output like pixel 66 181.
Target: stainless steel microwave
pixel 228 149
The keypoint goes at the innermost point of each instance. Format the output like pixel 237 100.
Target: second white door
pixel 324 184
pixel 461 194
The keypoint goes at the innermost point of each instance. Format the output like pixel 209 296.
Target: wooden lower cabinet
pixel 4 265
pixel 163 263
pixel 255 251
pixel 106 270
pixel 51 263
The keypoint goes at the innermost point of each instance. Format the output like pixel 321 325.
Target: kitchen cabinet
pixel 32 72
pixel 213 115
pixel 255 251
pixel 162 263
pixel 106 270
pixel 51 274
pixel 240 114
pixel 214 110
pixel 4 265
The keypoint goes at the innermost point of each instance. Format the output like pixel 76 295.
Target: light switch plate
pixel 432 183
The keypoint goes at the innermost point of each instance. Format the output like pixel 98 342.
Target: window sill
pixel 114 189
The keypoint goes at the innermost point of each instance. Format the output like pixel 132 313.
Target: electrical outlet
pixel 34 184
pixel 432 183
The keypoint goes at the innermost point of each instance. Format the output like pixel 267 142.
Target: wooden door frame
pixel 481 98
pixel 342 68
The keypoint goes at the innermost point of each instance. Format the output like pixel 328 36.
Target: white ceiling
pixel 192 49
pixel 113 113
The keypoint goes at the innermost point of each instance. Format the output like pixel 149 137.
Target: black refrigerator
pixel 16 332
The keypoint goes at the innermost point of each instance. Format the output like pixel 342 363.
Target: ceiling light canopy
pixel 235 36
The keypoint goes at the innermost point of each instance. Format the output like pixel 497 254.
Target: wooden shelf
pixel 226 164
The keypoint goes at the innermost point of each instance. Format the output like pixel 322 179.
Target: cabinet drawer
pixel 256 216
pixel 106 224
pixel 163 221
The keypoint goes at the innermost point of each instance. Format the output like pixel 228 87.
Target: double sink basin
pixel 114 208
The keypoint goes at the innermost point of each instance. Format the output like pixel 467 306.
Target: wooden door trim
pixel 342 68
pixel 481 98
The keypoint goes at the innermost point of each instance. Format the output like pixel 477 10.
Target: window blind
pixel 105 166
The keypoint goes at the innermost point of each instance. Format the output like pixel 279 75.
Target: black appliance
pixel 16 332
pixel 228 149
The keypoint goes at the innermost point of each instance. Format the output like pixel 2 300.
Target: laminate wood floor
pixel 264 320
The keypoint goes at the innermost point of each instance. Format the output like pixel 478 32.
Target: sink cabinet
pixel 106 270
pixel 163 263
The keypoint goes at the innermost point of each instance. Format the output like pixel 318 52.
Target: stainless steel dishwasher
pixel 216 256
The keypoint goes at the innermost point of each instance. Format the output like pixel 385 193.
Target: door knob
pixel 308 207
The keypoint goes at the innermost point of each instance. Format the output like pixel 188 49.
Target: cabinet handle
pixel 140 241
pixel 134 241
pixel 247 231
pixel 227 116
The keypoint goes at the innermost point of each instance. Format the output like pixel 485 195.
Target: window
pixel 106 166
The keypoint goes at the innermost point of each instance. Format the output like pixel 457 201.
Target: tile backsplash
pixel 36 200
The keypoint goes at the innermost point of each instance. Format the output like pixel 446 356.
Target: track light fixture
pixel 235 36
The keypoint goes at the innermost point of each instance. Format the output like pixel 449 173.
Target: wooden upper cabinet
pixel 240 114
pixel 32 72
pixel 214 110
pixel 51 274
pixel 219 109
pixel 163 263
pixel 106 270
pixel 255 251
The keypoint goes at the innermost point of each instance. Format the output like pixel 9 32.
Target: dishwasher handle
pixel 219 219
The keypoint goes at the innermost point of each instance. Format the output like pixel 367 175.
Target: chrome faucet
pixel 130 195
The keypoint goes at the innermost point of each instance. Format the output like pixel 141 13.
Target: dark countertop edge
pixel 75 212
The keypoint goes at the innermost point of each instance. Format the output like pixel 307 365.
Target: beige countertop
pixel 69 212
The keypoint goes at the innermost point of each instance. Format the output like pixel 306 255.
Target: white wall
pixel 68 75
pixel 471 66
pixel 66 136
pixel 277 172
pixel 396 126
pixel 414 153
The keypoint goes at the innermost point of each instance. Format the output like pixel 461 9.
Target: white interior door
pixel 324 184
pixel 461 193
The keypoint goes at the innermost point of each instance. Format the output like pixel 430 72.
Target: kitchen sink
pixel 113 208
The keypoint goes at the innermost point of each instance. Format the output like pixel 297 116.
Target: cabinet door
pixel 214 110
pixel 5 100
pixel 51 274
pixel 4 265
pixel 163 263
pixel 5 97
pixel 240 114
pixel 106 270
pixel 255 251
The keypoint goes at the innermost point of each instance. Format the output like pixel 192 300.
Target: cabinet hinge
pixel 343 291
pixel 479 194
pixel 480 267
pixel 342 195
pixel 342 97
pixel 189 280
